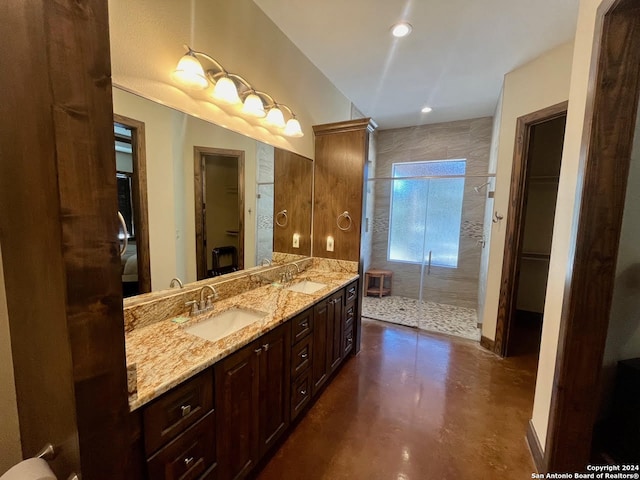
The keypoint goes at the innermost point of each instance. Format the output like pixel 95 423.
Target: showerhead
pixel 480 187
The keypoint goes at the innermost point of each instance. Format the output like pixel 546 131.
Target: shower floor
pixel 430 316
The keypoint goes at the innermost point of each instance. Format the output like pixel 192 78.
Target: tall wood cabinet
pixel 341 170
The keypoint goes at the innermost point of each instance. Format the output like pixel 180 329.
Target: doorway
pixel 219 209
pixel 532 201
pixel 131 178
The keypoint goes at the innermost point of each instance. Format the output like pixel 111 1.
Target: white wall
pixel 146 44
pixel 540 83
pixel 10 448
pixel 568 198
pixel 170 138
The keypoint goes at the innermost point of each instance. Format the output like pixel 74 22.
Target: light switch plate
pixel 296 240
pixel 329 244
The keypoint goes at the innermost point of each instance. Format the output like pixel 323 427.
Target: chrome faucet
pixel 208 303
pixel 265 262
pixel 204 304
pixel 176 281
pixel 287 275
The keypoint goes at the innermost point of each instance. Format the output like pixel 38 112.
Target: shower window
pixel 426 213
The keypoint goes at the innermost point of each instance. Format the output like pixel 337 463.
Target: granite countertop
pixel 166 355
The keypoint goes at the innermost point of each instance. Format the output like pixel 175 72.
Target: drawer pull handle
pixel 304 355
pixel 258 351
pixel 303 392
pixel 186 410
pixel 265 347
pixel 188 461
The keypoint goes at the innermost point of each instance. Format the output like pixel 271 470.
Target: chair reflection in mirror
pixel 224 260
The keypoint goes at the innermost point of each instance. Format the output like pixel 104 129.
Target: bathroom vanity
pixel 217 409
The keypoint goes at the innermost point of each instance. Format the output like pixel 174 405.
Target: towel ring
pixel 125 242
pixel 344 216
pixel 283 214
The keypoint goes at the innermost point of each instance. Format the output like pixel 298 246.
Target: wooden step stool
pixel 375 282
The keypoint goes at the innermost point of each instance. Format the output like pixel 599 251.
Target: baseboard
pixel 487 343
pixel 535 448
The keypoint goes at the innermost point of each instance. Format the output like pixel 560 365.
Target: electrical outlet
pixel 296 240
pixel 329 243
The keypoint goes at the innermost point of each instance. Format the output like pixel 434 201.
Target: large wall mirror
pixel 211 191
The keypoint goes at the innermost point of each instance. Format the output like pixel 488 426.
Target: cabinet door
pixel 335 321
pixel 237 401
pixel 320 357
pixel 275 378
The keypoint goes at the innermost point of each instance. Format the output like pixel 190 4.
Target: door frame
pixel 612 108
pixel 140 201
pixel 516 220
pixel 200 186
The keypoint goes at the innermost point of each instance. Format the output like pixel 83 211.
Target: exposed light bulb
pixel 190 73
pixel 401 29
pixel 275 117
pixel 293 128
pixel 226 91
pixel 253 106
pixel 426 109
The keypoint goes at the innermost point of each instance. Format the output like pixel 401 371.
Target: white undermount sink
pixel 306 286
pixel 225 323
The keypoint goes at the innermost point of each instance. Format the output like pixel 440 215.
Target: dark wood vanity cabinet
pixel 328 338
pixel 252 396
pixel 301 360
pixel 179 432
pixel 349 318
pixel 196 431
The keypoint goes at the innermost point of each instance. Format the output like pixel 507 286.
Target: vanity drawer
pixel 302 325
pixel 173 412
pixel 301 356
pixel 300 393
pixel 350 313
pixel 347 339
pixel 189 456
pixel 351 292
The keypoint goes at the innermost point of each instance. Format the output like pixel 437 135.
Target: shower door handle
pixel 429 266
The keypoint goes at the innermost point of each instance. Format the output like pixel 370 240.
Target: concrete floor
pixel 415 406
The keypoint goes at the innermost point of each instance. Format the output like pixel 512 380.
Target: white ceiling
pixel 454 60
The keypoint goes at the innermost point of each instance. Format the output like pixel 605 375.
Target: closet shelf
pixel 535 256
pixel 544 178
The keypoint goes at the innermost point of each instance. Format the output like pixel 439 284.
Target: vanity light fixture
pixel 232 89
pixel 190 73
pixel 275 117
pixel 401 29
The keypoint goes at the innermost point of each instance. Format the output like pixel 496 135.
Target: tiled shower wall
pixel 466 139
pixel 264 204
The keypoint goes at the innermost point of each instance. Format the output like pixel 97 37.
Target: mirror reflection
pixel 210 197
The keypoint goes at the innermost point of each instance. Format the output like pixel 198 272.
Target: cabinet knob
pixel 305 324
pixel 303 392
pixel 304 355
pixel 265 347
pixel 186 410
pixel 188 461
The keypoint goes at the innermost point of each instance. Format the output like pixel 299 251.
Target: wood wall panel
pixel 341 153
pixel 293 178
pixel 58 206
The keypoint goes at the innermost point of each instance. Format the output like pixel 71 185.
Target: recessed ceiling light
pixel 401 29
pixel 426 109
